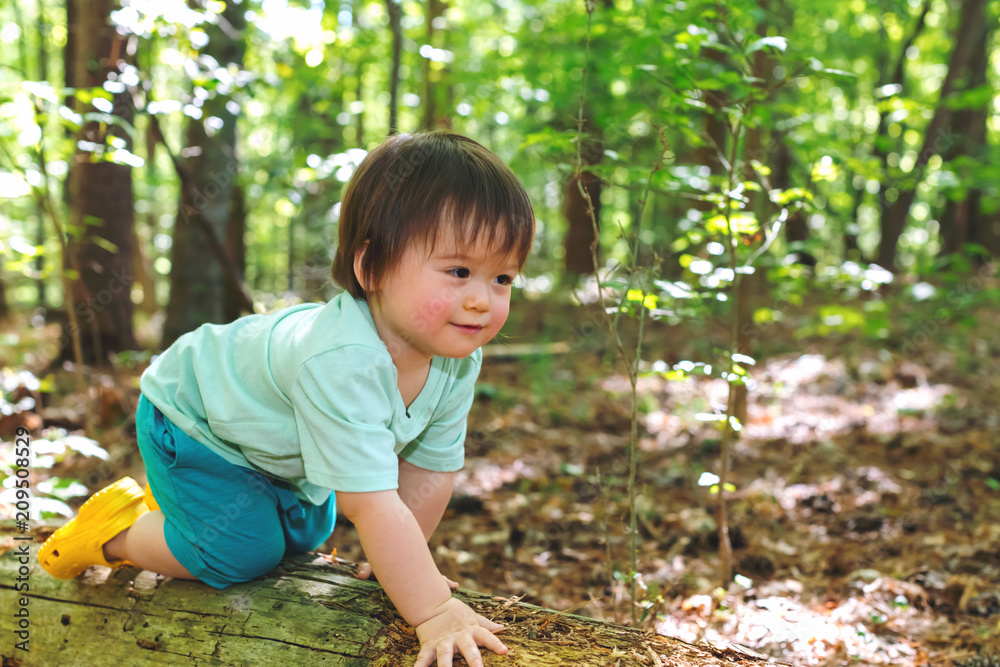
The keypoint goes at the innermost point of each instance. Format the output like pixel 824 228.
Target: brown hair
pixel 412 184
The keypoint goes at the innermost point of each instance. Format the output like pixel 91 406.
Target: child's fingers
pixel 488 624
pixel 364 571
pixel 446 651
pixel 427 655
pixel 486 638
pixel 451 584
pixel 466 647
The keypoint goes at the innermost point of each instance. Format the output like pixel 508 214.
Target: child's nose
pixel 477 296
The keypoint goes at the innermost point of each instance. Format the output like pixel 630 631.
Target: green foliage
pixel 314 86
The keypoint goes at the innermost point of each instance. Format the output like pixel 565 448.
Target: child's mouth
pixel 469 328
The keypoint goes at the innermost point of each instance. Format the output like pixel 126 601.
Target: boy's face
pixel 446 302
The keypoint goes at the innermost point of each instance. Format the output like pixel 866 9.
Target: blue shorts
pixel 224 523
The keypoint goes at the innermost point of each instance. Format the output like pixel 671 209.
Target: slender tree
pixel 200 278
pixel 435 8
pixel 963 221
pixel 100 190
pixel 42 30
pixel 582 205
pixel 4 308
pixel 396 27
pixel 940 133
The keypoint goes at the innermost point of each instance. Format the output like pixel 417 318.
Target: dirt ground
pixel 865 512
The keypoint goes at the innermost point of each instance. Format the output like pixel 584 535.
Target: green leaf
pixel 649 301
pixel 971 99
pixel 102 242
pixel 742 223
pixel 839 72
pixel 710 83
pixel 779 43
pixel 783 197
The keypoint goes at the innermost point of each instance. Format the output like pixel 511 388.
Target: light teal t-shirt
pixel 309 395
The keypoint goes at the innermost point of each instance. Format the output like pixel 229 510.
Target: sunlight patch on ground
pixel 859 630
pixel 800 399
pixel 480 477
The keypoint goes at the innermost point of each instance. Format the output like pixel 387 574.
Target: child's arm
pixel 397 550
pixel 426 493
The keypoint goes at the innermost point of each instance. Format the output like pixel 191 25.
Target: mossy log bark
pixel 306 612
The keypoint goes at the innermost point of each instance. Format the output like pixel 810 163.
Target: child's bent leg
pixel 77 545
pixel 145 545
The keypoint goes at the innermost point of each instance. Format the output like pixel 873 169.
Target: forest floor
pixel 866 510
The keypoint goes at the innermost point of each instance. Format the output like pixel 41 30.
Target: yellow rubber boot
pixel 150 500
pixel 79 544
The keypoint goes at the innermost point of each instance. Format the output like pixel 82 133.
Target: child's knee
pixel 254 562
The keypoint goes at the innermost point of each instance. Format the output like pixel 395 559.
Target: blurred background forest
pixel 797 211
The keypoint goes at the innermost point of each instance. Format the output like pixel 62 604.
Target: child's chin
pixel 459 353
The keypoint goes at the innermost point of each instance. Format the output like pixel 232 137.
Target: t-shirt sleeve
pixel 441 447
pixel 342 402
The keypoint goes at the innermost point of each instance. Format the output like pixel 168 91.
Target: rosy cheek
pixel 500 315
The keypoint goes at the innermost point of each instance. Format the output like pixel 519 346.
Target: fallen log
pixel 308 611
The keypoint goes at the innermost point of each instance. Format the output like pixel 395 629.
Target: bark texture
pixel 432 76
pixel 581 226
pixel 198 279
pixel 100 191
pixel 396 26
pixel 580 233
pixel 963 220
pixel 940 134
pixel 307 612
pixel 4 310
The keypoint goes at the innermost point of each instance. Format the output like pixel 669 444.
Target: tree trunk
pixel 145 272
pixel 359 126
pixel 100 192
pixel 302 613
pixel 579 260
pixel 197 278
pixel 144 276
pixel 714 153
pixel 939 135
pixel 395 25
pixel 796 229
pixel 580 232
pixel 962 221
pixel 852 251
pixel 762 209
pixel 4 308
pixel 236 249
pixel 882 142
pixel 431 76
pixel 988 233
pixel 42 30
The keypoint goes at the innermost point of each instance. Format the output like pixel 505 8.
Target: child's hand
pixel 455 628
pixel 365 572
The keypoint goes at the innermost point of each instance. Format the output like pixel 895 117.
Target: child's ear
pixel 359 271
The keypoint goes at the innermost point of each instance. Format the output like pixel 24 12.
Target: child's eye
pixel 504 279
pixel 459 272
